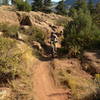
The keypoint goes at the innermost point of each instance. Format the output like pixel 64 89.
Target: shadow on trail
pixel 46 56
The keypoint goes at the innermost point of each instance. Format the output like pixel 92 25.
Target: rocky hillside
pixel 39 19
pixel 27 74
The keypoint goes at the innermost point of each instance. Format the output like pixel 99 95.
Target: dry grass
pixel 82 89
pixel 22 88
pixel 69 74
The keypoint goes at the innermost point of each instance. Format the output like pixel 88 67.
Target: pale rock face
pixel 25 27
pixel 4 93
pixel 37 45
pixel 38 19
pixel 1 33
pixel 41 20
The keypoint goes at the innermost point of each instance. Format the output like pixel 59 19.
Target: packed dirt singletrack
pixel 44 85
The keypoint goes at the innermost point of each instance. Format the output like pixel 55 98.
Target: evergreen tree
pixel 47 4
pixel 78 6
pixel 98 8
pixel 12 1
pixel 81 4
pixel 22 5
pixel 96 15
pixel 91 6
pixel 77 33
pixel 73 13
pixel 61 8
pixel 37 5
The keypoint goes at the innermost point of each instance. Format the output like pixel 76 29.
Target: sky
pixel 56 0
pixel 52 0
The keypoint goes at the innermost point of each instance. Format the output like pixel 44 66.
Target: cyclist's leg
pixel 52 48
pixel 55 48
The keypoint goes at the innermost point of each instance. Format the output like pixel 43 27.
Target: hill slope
pixel 42 77
pixel 71 2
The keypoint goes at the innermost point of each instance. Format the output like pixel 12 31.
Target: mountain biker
pixel 53 41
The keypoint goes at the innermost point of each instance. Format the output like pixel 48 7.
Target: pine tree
pixel 96 15
pixel 22 5
pixel 73 13
pixel 12 1
pixel 77 33
pixel 81 4
pixel 91 6
pixel 61 8
pixel 37 5
pixel 47 4
pixel 98 8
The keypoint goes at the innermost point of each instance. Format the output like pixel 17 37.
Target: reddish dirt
pixel 44 85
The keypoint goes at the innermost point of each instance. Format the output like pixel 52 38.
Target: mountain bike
pixel 53 49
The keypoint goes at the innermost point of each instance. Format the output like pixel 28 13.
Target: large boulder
pixel 1 33
pixel 21 36
pixel 36 45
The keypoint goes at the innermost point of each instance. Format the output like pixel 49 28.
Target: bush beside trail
pixel 9 59
pixel 9 30
pixel 23 5
pixel 80 34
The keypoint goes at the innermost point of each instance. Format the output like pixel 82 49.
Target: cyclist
pixel 53 41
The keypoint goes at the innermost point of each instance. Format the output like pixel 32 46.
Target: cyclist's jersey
pixel 54 38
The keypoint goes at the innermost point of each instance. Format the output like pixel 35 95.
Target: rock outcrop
pixel 37 45
pixel 41 20
pixel 38 19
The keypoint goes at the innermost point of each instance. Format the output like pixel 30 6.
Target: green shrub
pixel 9 65
pixel 3 27
pixel 61 8
pixel 23 5
pixel 9 60
pixel 9 30
pixel 35 34
pixel 61 22
pixel 5 46
pixel 80 34
pixel 95 37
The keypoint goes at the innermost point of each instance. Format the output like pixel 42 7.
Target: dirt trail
pixel 44 87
